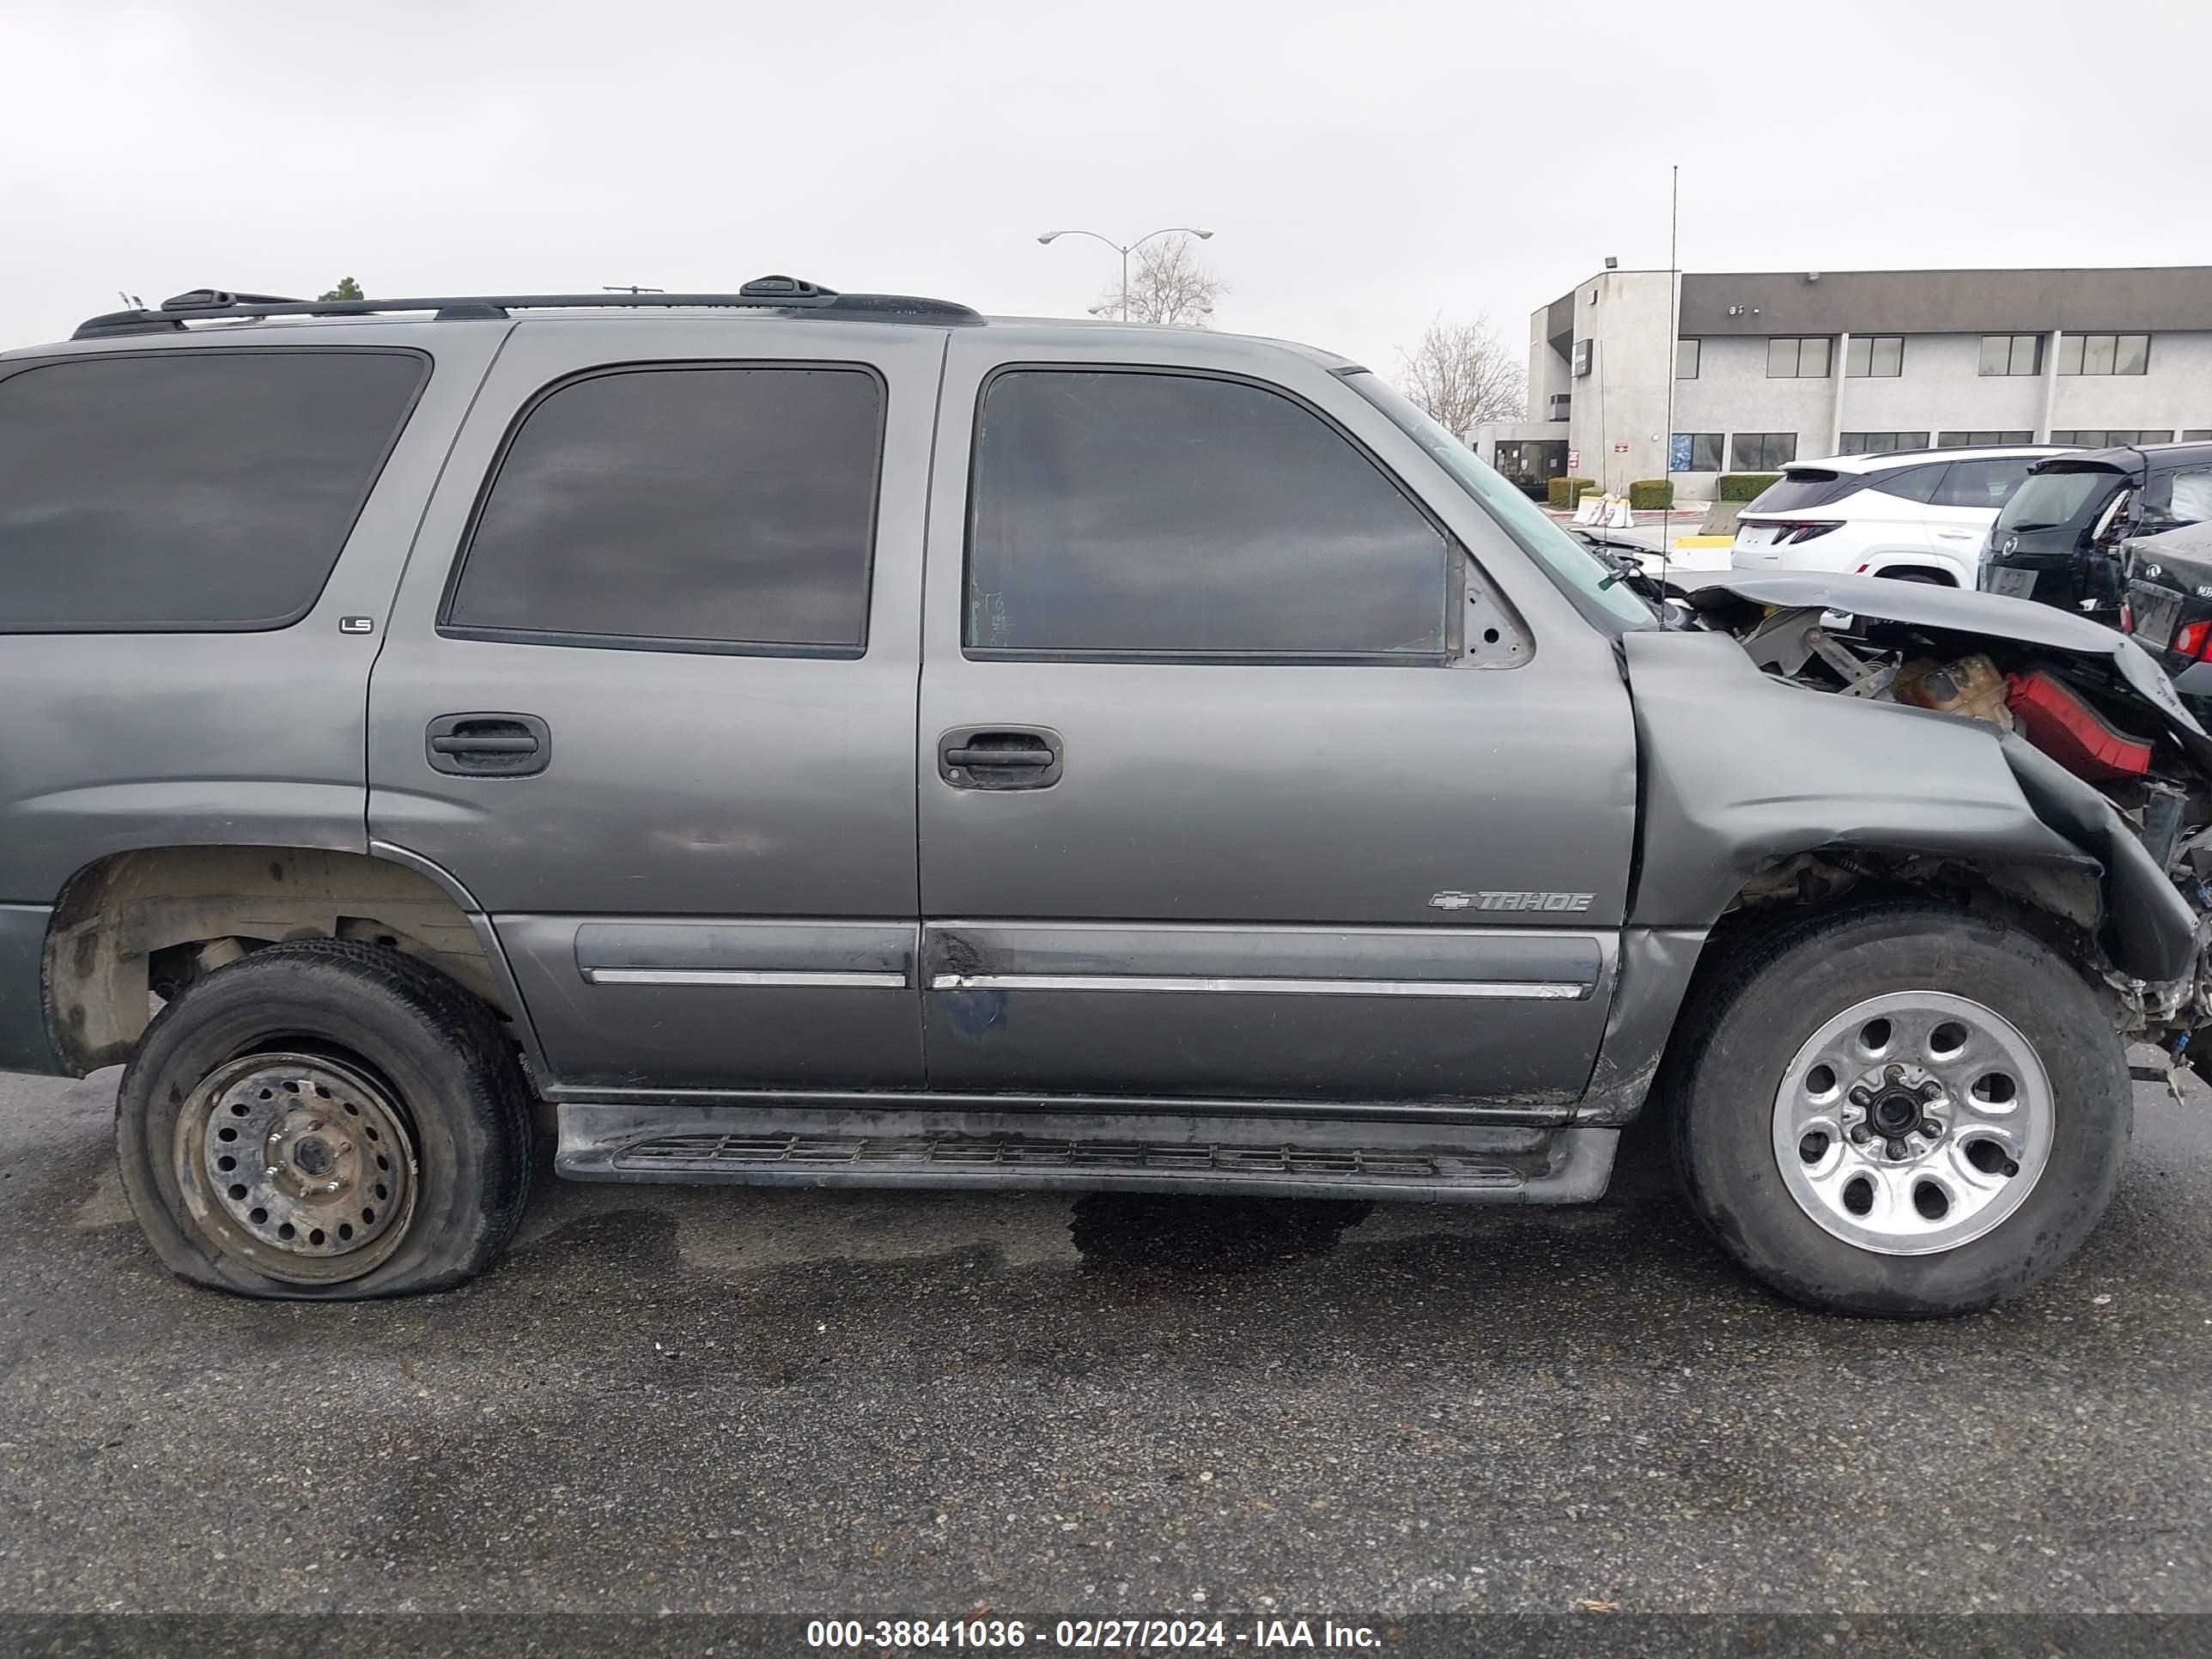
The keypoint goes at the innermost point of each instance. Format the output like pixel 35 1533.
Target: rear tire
pixel 328 1121
pixel 1814 1043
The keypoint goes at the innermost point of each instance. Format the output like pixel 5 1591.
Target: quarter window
pixel 1797 357
pixel 1762 451
pixel 1880 356
pixel 702 508
pixel 2104 353
pixel 1129 512
pixel 2012 354
pixel 1882 443
pixel 188 491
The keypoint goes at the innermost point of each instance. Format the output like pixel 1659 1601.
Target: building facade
pixel 1643 373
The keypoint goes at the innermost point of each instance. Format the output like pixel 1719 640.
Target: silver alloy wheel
pixel 1913 1122
pixel 299 1165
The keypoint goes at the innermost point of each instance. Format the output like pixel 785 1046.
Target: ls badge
pixel 1451 899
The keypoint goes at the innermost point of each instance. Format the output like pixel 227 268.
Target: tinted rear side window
pixel 706 508
pixel 1182 515
pixel 188 491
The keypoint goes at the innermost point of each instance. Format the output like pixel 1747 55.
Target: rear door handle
pixel 1000 757
pixel 491 745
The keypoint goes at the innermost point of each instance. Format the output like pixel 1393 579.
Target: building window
pixel 1981 440
pixel 1797 357
pixel 1696 451
pixel 2197 435
pixel 1582 358
pixel 1879 355
pixel 2012 354
pixel 2091 437
pixel 1882 443
pixel 1762 451
pixel 1686 353
pixel 2104 353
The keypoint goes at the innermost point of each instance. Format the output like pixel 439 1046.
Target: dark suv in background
pixel 2057 540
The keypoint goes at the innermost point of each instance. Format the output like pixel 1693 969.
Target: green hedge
pixel 1651 495
pixel 1567 492
pixel 1746 486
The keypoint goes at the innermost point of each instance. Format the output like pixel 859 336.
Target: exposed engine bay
pixel 2085 717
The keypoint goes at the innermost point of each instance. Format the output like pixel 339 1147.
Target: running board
pixel 803 1146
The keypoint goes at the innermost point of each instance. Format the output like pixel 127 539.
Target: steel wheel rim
pixel 1977 1145
pixel 300 1166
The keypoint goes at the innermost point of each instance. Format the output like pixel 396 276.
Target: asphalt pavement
pixel 863 1405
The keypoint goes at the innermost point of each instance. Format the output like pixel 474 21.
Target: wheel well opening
pixel 1918 572
pixel 2059 904
pixel 132 930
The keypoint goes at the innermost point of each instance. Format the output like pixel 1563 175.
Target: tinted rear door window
pixel 703 508
pixel 1184 515
pixel 188 489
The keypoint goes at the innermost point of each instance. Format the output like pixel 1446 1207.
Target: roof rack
pixel 764 292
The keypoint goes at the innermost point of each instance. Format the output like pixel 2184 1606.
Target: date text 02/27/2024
pixel 1134 1635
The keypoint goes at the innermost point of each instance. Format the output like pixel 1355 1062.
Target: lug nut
pixel 1932 1129
pixel 1897 1151
pixel 1894 1074
pixel 1930 1090
pixel 1859 1135
pixel 1861 1095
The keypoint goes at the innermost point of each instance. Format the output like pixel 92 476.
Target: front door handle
pixel 1000 757
pixel 488 746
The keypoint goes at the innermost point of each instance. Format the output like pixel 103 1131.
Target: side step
pixel 797 1146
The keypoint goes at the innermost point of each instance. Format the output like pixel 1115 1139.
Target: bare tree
pixel 1463 374
pixel 1168 285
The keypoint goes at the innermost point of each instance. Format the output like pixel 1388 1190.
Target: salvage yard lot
pixel 882 1403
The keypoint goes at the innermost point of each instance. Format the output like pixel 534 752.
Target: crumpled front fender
pixel 1740 769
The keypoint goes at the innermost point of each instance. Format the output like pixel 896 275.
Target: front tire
pixel 1900 1111
pixel 324 1119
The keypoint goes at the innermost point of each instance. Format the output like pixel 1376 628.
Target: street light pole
pixel 1125 249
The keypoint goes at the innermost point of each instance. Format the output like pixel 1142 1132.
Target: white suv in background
pixel 1918 515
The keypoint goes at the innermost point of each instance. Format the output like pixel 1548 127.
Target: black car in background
pixel 2169 603
pixel 2058 539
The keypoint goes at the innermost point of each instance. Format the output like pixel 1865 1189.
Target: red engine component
pixel 2062 724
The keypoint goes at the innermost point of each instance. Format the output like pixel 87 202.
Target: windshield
pixel 1587 576
pixel 2054 500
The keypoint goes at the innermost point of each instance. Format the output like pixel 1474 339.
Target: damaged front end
pixel 2102 750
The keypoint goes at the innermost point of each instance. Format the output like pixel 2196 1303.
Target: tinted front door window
pixel 1182 515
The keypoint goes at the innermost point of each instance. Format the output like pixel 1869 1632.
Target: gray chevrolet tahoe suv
pixel 798 737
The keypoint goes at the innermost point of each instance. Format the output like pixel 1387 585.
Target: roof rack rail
pixel 763 292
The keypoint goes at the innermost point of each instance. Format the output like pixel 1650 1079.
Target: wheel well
pixel 1919 572
pixel 135 928
pixel 2059 904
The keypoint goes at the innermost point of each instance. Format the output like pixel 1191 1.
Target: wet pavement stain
pixel 1196 1234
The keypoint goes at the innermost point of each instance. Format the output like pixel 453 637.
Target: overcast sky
pixel 1365 165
